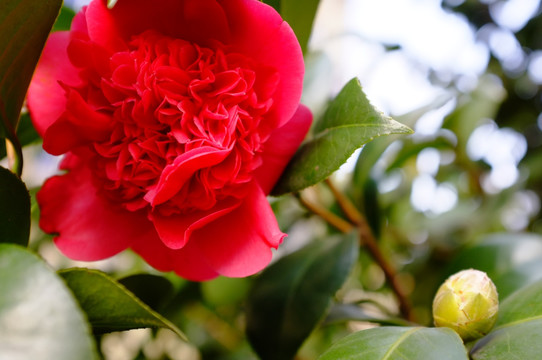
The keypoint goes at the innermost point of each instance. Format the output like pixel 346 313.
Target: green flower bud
pixel 468 303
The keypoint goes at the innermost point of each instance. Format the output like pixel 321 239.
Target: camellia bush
pixel 196 214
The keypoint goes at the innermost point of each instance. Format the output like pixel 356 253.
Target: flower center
pixel 187 122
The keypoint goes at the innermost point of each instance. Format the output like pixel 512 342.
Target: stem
pixel 349 210
pixel 367 240
pixel 327 215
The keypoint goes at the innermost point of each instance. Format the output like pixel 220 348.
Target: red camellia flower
pixel 176 118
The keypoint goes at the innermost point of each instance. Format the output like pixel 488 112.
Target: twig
pixel 367 240
pixel 349 210
pixel 327 215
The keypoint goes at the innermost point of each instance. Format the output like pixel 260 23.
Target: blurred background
pixel 463 191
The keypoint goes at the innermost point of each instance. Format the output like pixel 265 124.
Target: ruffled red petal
pixel 174 176
pixel 78 125
pixel 239 243
pixel 89 227
pixel 259 32
pixel 175 229
pixel 187 262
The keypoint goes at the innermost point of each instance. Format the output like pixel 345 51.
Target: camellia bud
pixel 468 303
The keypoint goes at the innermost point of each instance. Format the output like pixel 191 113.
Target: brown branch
pixel 368 240
pixel 349 210
pixel 327 215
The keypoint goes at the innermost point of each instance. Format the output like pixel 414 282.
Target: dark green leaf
pixel 64 20
pixel 109 305
pixel 399 343
pixel 153 290
pixel 510 260
pixel 300 15
pixel 26 133
pixel 273 3
pixel 349 122
pixel 353 312
pixel 24 25
pixel 516 341
pixel 290 297
pixel 39 318
pixel 14 209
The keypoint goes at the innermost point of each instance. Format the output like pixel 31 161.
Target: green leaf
pixel 399 343
pixel 291 296
pixel 518 328
pixel 14 209
pixel 349 312
pixel 521 306
pixel 39 318
pixel 519 341
pixel 109 305
pixel 153 290
pixel 510 260
pixel 274 3
pixel 64 20
pixel 24 25
pixel 349 122
pixel 300 15
pixel 26 133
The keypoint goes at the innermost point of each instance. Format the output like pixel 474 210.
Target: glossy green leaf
pixel 14 209
pixel 290 297
pixel 510 260
pixel 518 341
pixel 349 122
pixel 521 306
pixel 518 328
pixel 373 151
pixel 109 305
pixel 39 318
pixel 24 25
pixel 153 290
pixel 399 343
